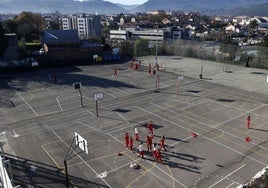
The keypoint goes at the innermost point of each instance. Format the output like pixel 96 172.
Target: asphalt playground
pixel 41 112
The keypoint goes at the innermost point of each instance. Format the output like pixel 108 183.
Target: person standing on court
pixel 149 143
pixel 162 143
pixel 159 156
pixel 137 138
pixel 141 151
pixel 131 144
pixel 126 140
pixel 150 128
pixel 155 148
pixel 248 121
pixel 115 72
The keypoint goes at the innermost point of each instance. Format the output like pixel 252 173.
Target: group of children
pixel 151 70
pixel 135 66
pixel 154 148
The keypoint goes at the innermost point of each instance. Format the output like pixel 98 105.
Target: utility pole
pixel 156 65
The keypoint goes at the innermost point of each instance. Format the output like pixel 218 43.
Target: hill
pixel 63 6
pixel 127 7
pixel 256 10
pixel 208 7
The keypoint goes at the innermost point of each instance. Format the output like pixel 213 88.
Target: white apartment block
pixel 152 35
pixel 119 35
pixel 66 23
pixel 156 35
pixel 87 26
pixel 82 27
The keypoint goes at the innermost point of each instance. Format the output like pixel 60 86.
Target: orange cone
pixel 194 134
pixel 248 139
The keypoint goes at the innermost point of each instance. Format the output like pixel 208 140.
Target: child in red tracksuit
pixel 150 128
pixel 115 72
pixel 158 156
pixel 126 140
pixel 149 142
pixel 131 144
pixel 155 148
pixel 162 143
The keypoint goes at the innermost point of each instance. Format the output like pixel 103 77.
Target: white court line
pixel 58 101
pixel 202 135
pixel 127 127
pixel 116 139
pixel 235 151
pixel 155 165
pixel 122 117
pixel 240 109
pixel 89 126
pixel 169 175
pixel 232 184
pixel 216 126
pixel 23 100
pixel 172 122
pixel 90 113
pixel 115 169
pixel 180 141
pixel 120 90
pixel 227 176
pixel 91 168
pixel 102 90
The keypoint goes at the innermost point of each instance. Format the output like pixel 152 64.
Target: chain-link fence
pixel 251 56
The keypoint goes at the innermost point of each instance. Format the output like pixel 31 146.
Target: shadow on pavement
pixel 29 173
pixel 256 129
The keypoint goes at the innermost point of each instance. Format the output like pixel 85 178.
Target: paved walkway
pixel 250 79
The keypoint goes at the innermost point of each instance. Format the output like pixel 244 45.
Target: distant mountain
pixel 127 7
pixel 63 6
pixel 256 10
pixel 208 7
pixel 203 6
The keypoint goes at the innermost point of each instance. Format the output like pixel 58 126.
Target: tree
pixel 157 18
pixel 127 49
pixel 3 41
pixel 54 25
pixel 205 19
pixel 265 41
pixel 10 26
pixel 141 47
pixel 30 25
pixel 253 24
pixel 229 48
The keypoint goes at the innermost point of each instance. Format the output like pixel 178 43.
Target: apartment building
pixel 154 35
pixel 88 26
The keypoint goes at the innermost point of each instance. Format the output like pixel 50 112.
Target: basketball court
pixel 203 120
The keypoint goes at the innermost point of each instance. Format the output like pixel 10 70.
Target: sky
pixel 128 2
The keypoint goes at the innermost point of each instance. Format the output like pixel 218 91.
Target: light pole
pixel 156 65
pixel 91 25
pixel 201 73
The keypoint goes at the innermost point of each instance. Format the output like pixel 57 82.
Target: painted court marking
pixel 202 135
pixel 23 99
pixel 91 168
pixel 213 127
pixel 227 176
pixel 58 101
